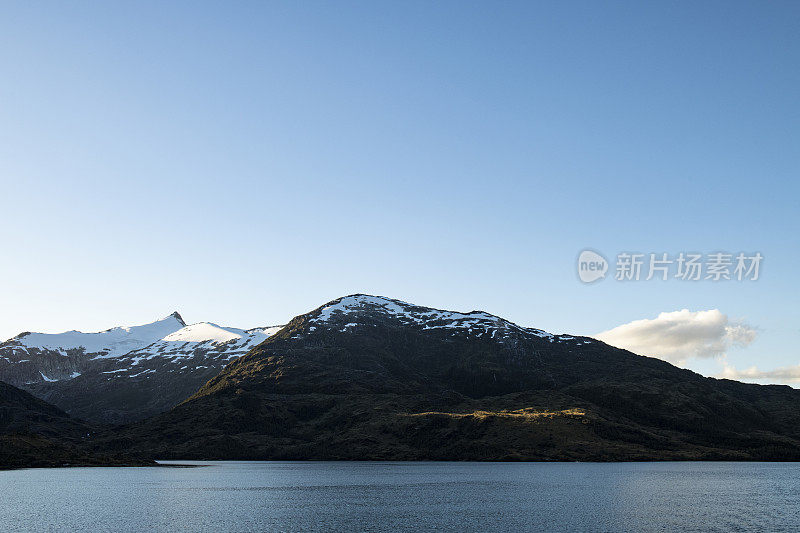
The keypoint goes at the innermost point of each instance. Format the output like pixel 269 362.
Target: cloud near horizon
pixel 783 374
pixel 678 336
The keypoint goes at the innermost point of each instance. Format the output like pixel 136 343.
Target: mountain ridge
pixel 366 377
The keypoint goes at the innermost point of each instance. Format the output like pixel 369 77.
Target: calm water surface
pixel 330 496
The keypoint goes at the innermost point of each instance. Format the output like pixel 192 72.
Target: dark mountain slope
pixel 35 433
pixel 372 378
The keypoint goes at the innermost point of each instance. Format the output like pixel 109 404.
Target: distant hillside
pixel 367 377
pixel 34 434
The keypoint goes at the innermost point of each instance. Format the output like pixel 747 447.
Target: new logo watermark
pixel 683 266
pixel 591 266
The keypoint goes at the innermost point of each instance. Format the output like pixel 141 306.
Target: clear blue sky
pixel 245 162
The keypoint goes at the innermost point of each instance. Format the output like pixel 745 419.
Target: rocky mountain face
pixel 35 433
pixel 367 377
pixel 126 373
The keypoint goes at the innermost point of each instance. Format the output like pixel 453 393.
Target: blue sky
pixel 246 162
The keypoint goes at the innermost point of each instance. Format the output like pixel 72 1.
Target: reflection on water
pixel 376 496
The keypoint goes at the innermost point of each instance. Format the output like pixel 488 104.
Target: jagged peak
pixel 177 316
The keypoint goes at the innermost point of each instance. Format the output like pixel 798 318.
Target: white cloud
pixel 678 336
pixel 784 374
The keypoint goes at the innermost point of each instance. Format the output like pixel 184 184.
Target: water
pixel 328 496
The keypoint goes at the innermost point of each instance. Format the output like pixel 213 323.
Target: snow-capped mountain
pixel 128 373
pixel 359 310
pixel 368 377
pixel 201 345
pixel 109 343
pixel 123 373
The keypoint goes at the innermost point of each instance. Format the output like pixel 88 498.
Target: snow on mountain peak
pixel 357 302
pixel 166 346
pixel 216 342
pixel 426 317
pixel 109 343
pixel 210 332
pixel 205 331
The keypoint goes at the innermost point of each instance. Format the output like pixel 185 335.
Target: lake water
pixel 378 496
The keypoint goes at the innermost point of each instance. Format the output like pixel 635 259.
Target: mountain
pixel 366 377
pixel 125 373
pixel 35 433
